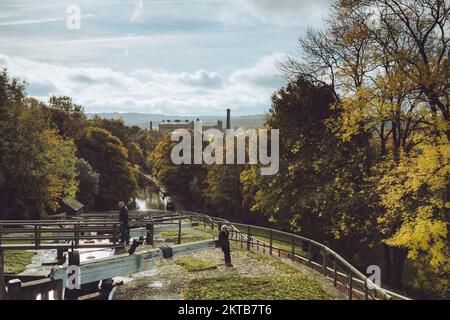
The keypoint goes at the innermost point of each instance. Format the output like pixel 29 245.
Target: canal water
pixel 148 198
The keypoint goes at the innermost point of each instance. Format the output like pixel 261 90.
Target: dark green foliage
pixel 36 165
pixel 108 157
pixel 127 135
pixel 88 184
pixel 184 180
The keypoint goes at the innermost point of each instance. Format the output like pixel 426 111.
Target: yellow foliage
pixel 414 193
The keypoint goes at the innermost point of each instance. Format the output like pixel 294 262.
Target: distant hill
pixel 143 119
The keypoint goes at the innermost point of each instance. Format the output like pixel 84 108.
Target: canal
pixel 148 198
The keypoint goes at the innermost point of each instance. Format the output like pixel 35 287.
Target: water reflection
pixel 141 204
pixel 148 199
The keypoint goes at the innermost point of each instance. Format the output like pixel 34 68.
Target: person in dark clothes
pixel 225 244
pixel 123 219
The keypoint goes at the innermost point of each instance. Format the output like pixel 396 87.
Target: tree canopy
pixel 108 157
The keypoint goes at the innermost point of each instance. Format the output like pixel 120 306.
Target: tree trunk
pixel 395 266
pixel 387 274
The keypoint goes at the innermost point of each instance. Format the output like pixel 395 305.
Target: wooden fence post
pixel 350 286
pixel 366 290
pixel 310 258
pixel 45 295
pixel 293 248
pixel 36 236
pixel 241 238
pixel 270 243
pixel 58 290
pixel 324 263
pixel 73 258
pixel 151 234
pixel 334 272
pixel 14 289
pixel 75 231
pixel 179 231
pixel 248 237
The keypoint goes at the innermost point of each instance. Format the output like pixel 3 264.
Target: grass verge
pixel 187 239
pixel 274 262
pixel 285 287
pixel 17 261
pixel 193 264
pixel 171 233
pixel 208 230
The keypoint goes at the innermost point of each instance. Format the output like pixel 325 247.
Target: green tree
pixel 66 104
pixel 319 190
pixel 65 116
pixel 37 166
pixel 127 135
pixel 390 79
pixel 88 184
pixel 185 180
pixel 223 191
pixel 108 157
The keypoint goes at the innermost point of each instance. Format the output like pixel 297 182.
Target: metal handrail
pixel 343 272
pixel 78 230
pixel 351 273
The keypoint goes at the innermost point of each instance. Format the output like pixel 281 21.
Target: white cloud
pixel 152 91
pixel 279 13
pixel 31 21
pixel 199 78
pixel 138 11
pixel 264 74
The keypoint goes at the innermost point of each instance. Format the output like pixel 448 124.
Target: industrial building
pixel 168 126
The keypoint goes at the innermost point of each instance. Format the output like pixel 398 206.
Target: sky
pixel 175 57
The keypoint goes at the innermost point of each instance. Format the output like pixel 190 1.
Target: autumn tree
pixel 223 191
pixel 127 135
pixel 414 192
pixel 148 140
pixel 37 165
pixel 319 190
pixel 64 115
pixel 185 180
pixel 88 185
pixel 67 105
pixel 388 65
pixel 108 157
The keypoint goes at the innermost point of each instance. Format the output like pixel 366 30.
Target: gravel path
pixel 167 280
